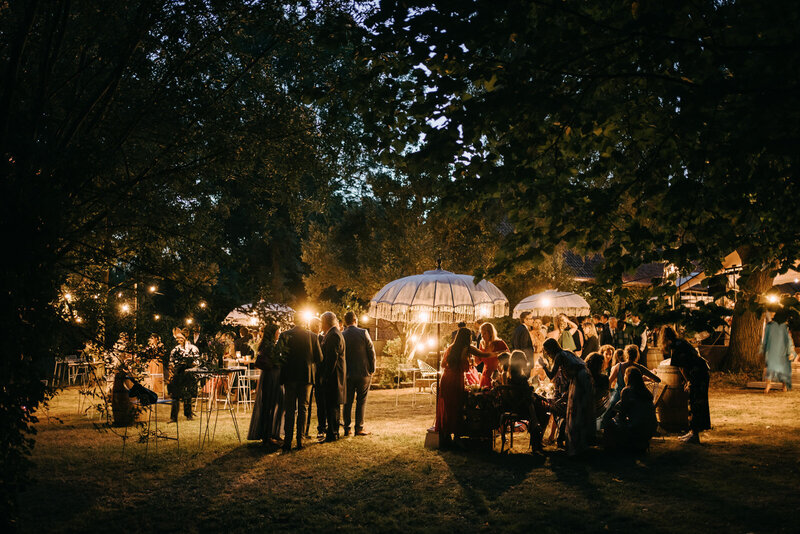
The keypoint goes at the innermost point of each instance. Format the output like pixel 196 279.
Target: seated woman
pixel 617 378
pixel 594 362
pixel 500 374
pixel 634 422
pixel 490 343
pixel 608 357
pixel 472 377
pixel 515 376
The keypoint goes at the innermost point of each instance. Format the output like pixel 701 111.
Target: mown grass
pixel 742 479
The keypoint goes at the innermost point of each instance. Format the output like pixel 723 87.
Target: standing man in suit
pixel 604 329
pixel 360 360
pixel 334 369
pixel 319 397
pixel 302 355
pixel 521 338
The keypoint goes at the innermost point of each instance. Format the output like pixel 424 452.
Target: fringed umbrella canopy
pixel 553 302
pixel 438 297
pixel 250 315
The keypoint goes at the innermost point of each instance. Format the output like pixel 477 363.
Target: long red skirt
pixel 451 402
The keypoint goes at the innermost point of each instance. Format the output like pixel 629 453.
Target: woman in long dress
pixel 450 406
pixel 266 422
pixel 778 348
pixel 580 420
pixel 492 346
pixel 695 371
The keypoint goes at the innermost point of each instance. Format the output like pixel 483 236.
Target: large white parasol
pixel 438 297
pixel 553 302
pixel 249 315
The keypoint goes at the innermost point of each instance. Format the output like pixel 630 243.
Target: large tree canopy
pixel 155 141
pixel 646 131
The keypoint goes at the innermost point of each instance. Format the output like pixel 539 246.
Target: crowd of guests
pixel 584 375
pixel 336 364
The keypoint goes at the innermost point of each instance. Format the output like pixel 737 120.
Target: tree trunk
pixel 744 352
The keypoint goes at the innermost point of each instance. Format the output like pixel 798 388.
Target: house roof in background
pixel 585 269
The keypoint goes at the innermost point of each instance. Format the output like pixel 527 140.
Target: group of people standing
pixel 336 364
pixel 597 381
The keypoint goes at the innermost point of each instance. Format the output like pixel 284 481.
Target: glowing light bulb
pixel 772 298
pixel 68 297
pixel 125 308
pixel 365 318
pixel 424 317
pixel 307 315
pixel 547 302
pixel 203 305
pixel 119 295
pixel 189 320
pixel 152 289
pixel 420 347
pixel 157 317
pixel 78 320
pixel 414 338
pixel 431 342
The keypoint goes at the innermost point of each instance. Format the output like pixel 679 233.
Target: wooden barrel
pixel 654 357
pixel 672 409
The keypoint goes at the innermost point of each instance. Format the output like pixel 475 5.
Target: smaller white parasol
pixel 553 302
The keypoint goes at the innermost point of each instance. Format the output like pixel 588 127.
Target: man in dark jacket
pixel 301 352
pixel 360 360
pixel 322 415
pixel 521 339
pixel 333 370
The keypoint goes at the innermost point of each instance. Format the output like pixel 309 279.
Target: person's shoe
pixel 330 439
pixel 362 433
pixel 287 447
pixel 686 436
pixel 347 432
pixel 299 445
pixel 691 437
pixel 173 421
pixel 321 435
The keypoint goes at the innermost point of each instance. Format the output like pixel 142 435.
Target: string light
pixel 78 320
pixel 189 320
pixel 157 317
pixel 125 308
pixel 772 298
pixel 365 318
pixel 152 289
pixel 119 295
pixel 68 297
pixel 414 338
pixel 202 304
pixel 431 342
pixel 307 315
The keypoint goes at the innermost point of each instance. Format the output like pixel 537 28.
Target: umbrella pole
pixel 438 364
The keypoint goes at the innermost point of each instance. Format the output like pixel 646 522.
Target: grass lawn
pixel 742 479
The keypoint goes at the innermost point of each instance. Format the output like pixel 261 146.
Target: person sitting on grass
pixel 634 421
pixel 618 377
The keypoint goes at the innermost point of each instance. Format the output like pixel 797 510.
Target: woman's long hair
pixel 456 349
pixel 633 380
pixel 268 338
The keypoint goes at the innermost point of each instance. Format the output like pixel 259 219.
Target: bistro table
pixel 206 403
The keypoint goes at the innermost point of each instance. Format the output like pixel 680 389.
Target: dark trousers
pixel 333 411
pixel 297 396
pixel 322 414
pixel 187 407
pixel 357 387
